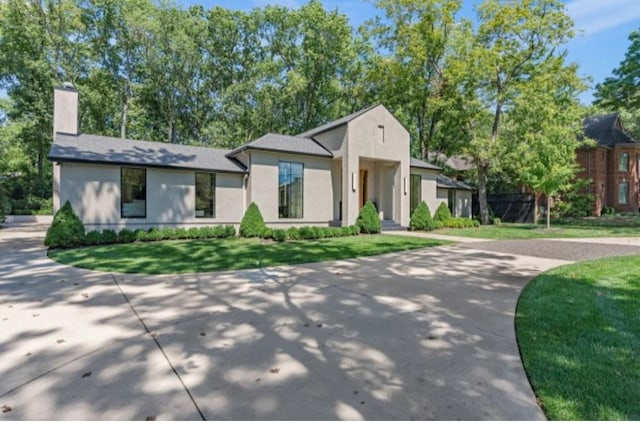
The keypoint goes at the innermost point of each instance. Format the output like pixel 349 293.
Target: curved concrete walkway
pixel 425 334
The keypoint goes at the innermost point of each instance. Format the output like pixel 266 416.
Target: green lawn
pixel 578 328
pixel 184 256
pixel 529 231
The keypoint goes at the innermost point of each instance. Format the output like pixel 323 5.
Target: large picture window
pixel 290 189
pixel 623 193
pixel 205 195
pixel 133 187
pixel 416 192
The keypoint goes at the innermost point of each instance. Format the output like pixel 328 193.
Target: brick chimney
pixel 65 109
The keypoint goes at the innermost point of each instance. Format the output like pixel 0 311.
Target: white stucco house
pixel 321 177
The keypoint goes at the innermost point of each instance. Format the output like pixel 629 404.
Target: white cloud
pixel 594 16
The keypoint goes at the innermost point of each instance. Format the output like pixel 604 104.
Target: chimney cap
pixel 68 85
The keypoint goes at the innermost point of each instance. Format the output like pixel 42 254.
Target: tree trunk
pixel 125 111
pixel 482 193
pixel 548 212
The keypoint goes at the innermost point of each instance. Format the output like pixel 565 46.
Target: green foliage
pixel 421 218
pixel 621 91
pixel 252 224
pixel 368 221
pixel 442 213
pixel 279 235
pixel 126 236
pixel 496 221
pixel 66 230
pixel 93 238
pixel 5 204
pixel 608 211
pixel 460 223
pixel 575 202
pixel 109 237
pixel 293 233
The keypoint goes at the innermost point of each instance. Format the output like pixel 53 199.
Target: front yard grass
pixel 578 329
pixel 186 256
pixel 531 231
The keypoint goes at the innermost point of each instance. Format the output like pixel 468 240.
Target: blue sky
pixel 603 27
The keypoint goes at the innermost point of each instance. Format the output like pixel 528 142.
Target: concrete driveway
pixel 426 335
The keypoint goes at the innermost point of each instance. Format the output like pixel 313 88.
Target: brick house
pixel 612 165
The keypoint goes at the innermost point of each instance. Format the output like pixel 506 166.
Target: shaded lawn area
pixel 185 256
pixel 530 231
pixel 578 329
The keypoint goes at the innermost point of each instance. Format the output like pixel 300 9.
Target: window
pixel 416 192
pixel 451 202
pixel 623 193
pixel 623 165
pixel 290 189
pixel 133 187
pixel 205 195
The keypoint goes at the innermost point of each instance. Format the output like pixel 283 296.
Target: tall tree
pixel 543 131
pixel 410 75
pixel 513 41
pixel 622 90
pixel 41 45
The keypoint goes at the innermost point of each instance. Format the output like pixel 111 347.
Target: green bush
pixel 421 218
pixel 293 233
pixel 66 230
pixel 279 235
pixel 230 231
pixel 355 229
pixel 5 204
pixel 126 236
pixel 438 225
pixel 109 237
pixel 93 238
pixel 153 234
pixel 267 233
pixel 608 211
pixel 368 221
pixel 308 233
pixel 252 224
pixel 476 223
pixel 496 221
pixel 442 213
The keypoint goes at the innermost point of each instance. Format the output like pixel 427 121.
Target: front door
pixel 364 194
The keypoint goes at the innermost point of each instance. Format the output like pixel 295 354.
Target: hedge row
pixel 68 231
pixel 154 234
pixel 421 219
pixel 309 233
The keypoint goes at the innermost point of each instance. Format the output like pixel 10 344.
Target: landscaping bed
pixel 578 329
pixel 530 231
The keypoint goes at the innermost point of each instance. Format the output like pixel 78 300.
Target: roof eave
pixel 54 158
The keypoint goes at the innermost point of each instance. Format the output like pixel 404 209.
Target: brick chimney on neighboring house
pixel 65 121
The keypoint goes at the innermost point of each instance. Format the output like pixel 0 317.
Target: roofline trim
pixel 264 149
pixel 116 163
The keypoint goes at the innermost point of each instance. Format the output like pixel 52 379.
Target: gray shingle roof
pixel 285 143
pixel 446 182
pixel 417 163
pixel 333 124
pixel 607 130
pixel 456 162
pixel 112 150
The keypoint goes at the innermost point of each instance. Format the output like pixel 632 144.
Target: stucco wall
pixel 367 140
pixel 318 196
pixel 94 193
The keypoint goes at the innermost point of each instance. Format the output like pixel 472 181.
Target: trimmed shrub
pixel 293 233
pixel 109 237
pixel 308 233
pixel 345 231
pixel 66 230
pixel 438 225
pixel 355 229
pixel 252 224
pixel 368 220
pixel 126 236
pixel 476 223
pixel 421 218
pixel 496 221
pixel 279 235
pixel 267 233
pixel 93 238
pixel 230 231
pixel 442 213
pixel 153 234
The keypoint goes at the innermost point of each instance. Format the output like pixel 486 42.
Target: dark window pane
pixel 623 193
pixel 290 189
pixel 416 192
pixel 133 189
pixel 623 165
pixel 205 195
